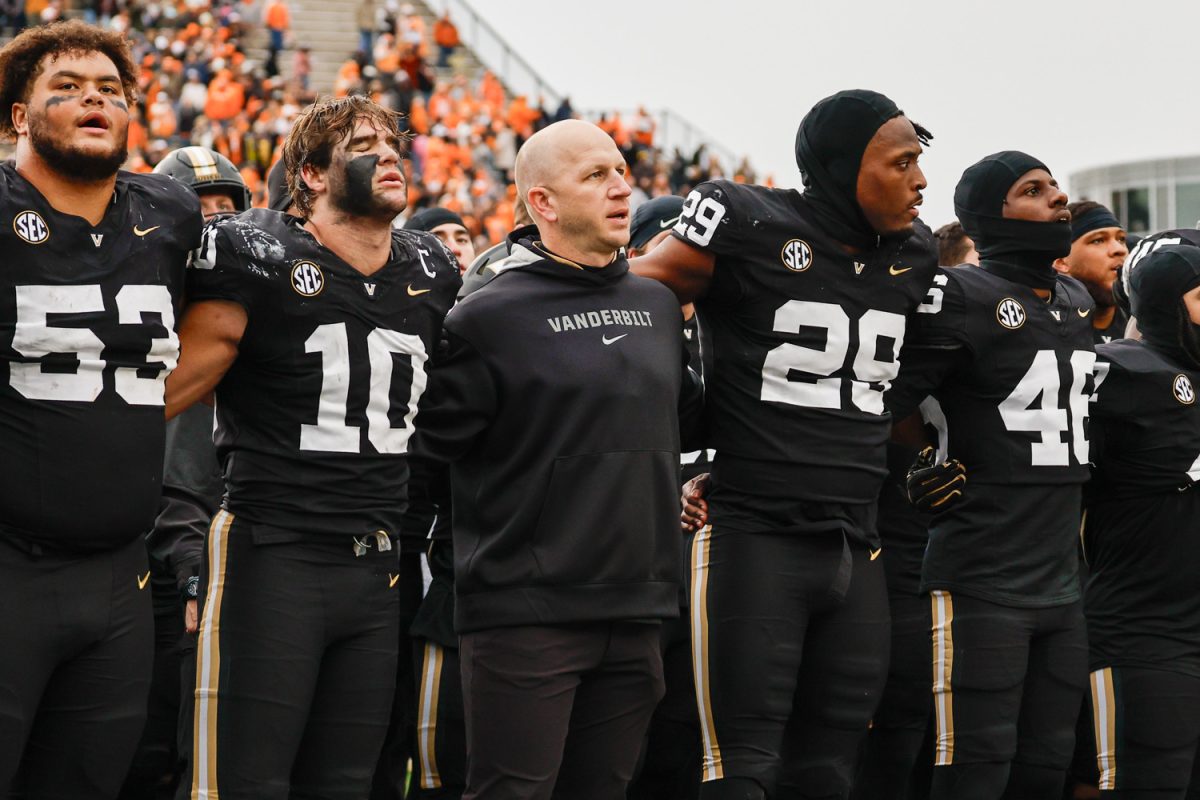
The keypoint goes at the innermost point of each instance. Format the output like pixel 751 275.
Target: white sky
pixel 1076 84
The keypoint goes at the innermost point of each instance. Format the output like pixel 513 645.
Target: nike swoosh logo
pixel 392 580
pixel 1083 312
pixel 668 223
pixel 416 292
pixel 893 271
pixel 139 232
pixel 142 581
pixel 875 553
pixel 607 340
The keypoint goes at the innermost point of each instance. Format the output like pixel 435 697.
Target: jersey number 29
pixel 871 376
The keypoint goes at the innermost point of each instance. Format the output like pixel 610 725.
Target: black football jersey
pixel 1142 530
pixel 87 338
pixel 1016 412
pixel 315 415
pixel 805 339
pixel 1112 331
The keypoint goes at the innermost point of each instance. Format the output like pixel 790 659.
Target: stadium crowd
pixel 200 87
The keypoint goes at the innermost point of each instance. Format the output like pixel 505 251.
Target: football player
pixel 317 329
pixel 447 226
pixel 1098 249
pixel 92 277
pixel 1006 349
pixel 210 175
pixel 805 298
pixel 1143 611
pixel 670 764
pixel 192 489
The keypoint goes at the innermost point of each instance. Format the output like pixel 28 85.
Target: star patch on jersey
pixel 30 226
pixel 1182 388
pixel 1010 314
pixel 797 255
pixel 307 279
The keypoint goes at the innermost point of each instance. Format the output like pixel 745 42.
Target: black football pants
pixel 901 722
pixel 1147 725
pixel 440 747
pixel 76 652
pixel 1007 684
pixel 790 651
pixel 296 665
pixel 558 710
pixel 391 774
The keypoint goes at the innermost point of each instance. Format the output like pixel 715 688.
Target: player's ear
pixel 541 202
pixel 20 119
pixel 313 178
pixel 1060 265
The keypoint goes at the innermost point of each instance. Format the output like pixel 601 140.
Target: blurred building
pixel 1146 196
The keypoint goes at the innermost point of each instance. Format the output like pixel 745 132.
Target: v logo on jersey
pixel 1056 315
pixel 143 580
pixel 392 580
pixel 416 292
pixel 97 238
pixel 859 267
pixel 139 232
pixel 370 289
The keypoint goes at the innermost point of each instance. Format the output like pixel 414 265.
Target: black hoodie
pixel 558 405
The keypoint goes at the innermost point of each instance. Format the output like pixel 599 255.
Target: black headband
pixel 1092 220
pixel 429 218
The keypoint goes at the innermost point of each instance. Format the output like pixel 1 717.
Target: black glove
pixel 934 487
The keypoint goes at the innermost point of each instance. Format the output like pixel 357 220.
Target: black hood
pixel 829 150
pixel 1157 287
pixel 1016 249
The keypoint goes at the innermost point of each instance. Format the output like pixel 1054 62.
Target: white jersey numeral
pixel 872 376
pixel 1040 385
pixel 36 337
pixel 332 434
pixel 706 213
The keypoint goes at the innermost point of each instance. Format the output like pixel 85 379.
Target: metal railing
pixel 520 78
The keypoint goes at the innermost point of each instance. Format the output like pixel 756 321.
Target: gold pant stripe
pixel 1104 721
pixel 712 769
pixel 943 669
pixel 208 666
pixel 427 708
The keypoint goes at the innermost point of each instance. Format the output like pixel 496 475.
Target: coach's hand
pixel 695 509
pixel 191 619
pixel 933 487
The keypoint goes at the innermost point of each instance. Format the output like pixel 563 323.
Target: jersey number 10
pixel 332 434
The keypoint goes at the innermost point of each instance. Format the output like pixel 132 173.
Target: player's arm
pixel 935 345
pixel 208 345
pixel 682 268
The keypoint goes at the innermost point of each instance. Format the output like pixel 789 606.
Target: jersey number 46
pixel 1048 418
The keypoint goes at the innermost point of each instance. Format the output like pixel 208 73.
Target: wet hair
pixel 953 244
pixel 21 61
pixel 319 129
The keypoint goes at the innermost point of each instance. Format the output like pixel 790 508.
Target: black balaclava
pixel 1017 249
pixel 829 150
pixel 1157 287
